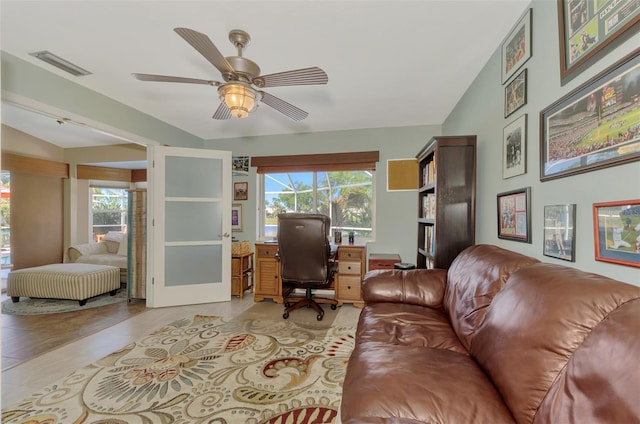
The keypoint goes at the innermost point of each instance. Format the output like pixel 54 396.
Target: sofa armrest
pixel 423 287
pixel 84 249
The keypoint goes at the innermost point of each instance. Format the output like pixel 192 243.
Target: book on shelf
pixel 431 176
pixel 429 241
pixel 429 206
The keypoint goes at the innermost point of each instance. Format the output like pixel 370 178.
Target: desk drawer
pixel 266 251
pixel 349 288
pixel 349 267
pixel 350 253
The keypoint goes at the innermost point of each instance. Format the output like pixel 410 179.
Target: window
pixel 345 196
pixel 108 210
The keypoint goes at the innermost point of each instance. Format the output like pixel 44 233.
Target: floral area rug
pixel 36 306
pixel 205 370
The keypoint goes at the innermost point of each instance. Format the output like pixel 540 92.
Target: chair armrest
pixel 423 287
pixel 84 249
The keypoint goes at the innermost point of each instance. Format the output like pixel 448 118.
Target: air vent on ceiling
pixel 60 63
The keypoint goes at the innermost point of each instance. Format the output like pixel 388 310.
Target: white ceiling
pixel 390 63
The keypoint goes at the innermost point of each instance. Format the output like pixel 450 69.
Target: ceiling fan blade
pixel 205 46
pixel 283 107
pixel 306 76
pixel 166 78
pixel 222 113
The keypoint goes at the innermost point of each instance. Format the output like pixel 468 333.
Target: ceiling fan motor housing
pixel 244 68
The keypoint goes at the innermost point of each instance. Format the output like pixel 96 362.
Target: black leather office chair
pixel 304 251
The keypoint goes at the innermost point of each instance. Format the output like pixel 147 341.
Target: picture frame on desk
pixel 514 215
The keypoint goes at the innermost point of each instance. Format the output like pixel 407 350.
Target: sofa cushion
pixel 474 278
pixel 417 383
pixel 533 327
pixel 409 325
pixel 113 239
pixel 123 247
pixel 597 384
pixel 424 287
pixel 104 259
pixel 86 249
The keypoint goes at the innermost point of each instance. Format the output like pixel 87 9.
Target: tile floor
pixel 30 376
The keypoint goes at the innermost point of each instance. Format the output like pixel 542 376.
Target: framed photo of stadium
pixel 515 94
pixel 594 126
pixel 616 228
pixel 516 48
pixel 588 30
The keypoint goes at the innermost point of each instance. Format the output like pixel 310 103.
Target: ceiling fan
pixel 240 92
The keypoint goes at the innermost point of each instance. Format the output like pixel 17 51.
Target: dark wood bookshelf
pixel 446 199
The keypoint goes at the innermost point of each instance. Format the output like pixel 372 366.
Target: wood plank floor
pixel 25 337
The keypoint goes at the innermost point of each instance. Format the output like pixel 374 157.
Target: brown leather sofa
pixel 498 338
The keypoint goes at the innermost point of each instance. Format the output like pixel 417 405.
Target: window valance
pixel 349 161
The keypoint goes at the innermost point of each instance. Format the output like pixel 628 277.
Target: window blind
pixel 348 161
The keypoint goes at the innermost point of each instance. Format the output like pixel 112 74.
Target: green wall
pixel 481 111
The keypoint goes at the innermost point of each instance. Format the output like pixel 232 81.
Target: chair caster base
pixel 285 315
pixel 334 307
pixel 320 316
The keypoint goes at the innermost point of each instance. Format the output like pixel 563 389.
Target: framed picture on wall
pixel 514 215
pixel 514 148
pixel 559 232
pixel 616 228
pixel 241 190
pixel 236 217
pixel 515 94
pixel 516 48
pixel 596 125
pixel 589 30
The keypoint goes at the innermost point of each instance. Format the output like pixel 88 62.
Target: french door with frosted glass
pixel 189 227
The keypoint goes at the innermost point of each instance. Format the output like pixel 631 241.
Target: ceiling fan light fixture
pixel 240 98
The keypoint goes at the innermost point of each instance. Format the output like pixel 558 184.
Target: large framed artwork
pixel 514 215
pixel 589 29
pixel 514 148
pixel 594 126
pixel 616 228
pixel 516 48
pixel 559 232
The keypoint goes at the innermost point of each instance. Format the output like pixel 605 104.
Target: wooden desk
pixel 347 283
pixel 241 273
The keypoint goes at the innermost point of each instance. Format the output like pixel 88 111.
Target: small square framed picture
pixel 236 217
pixel 617 232
pixel 559 232
pixel 514 215
pixel 515 94
pixel 241 191
pixel 514 150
